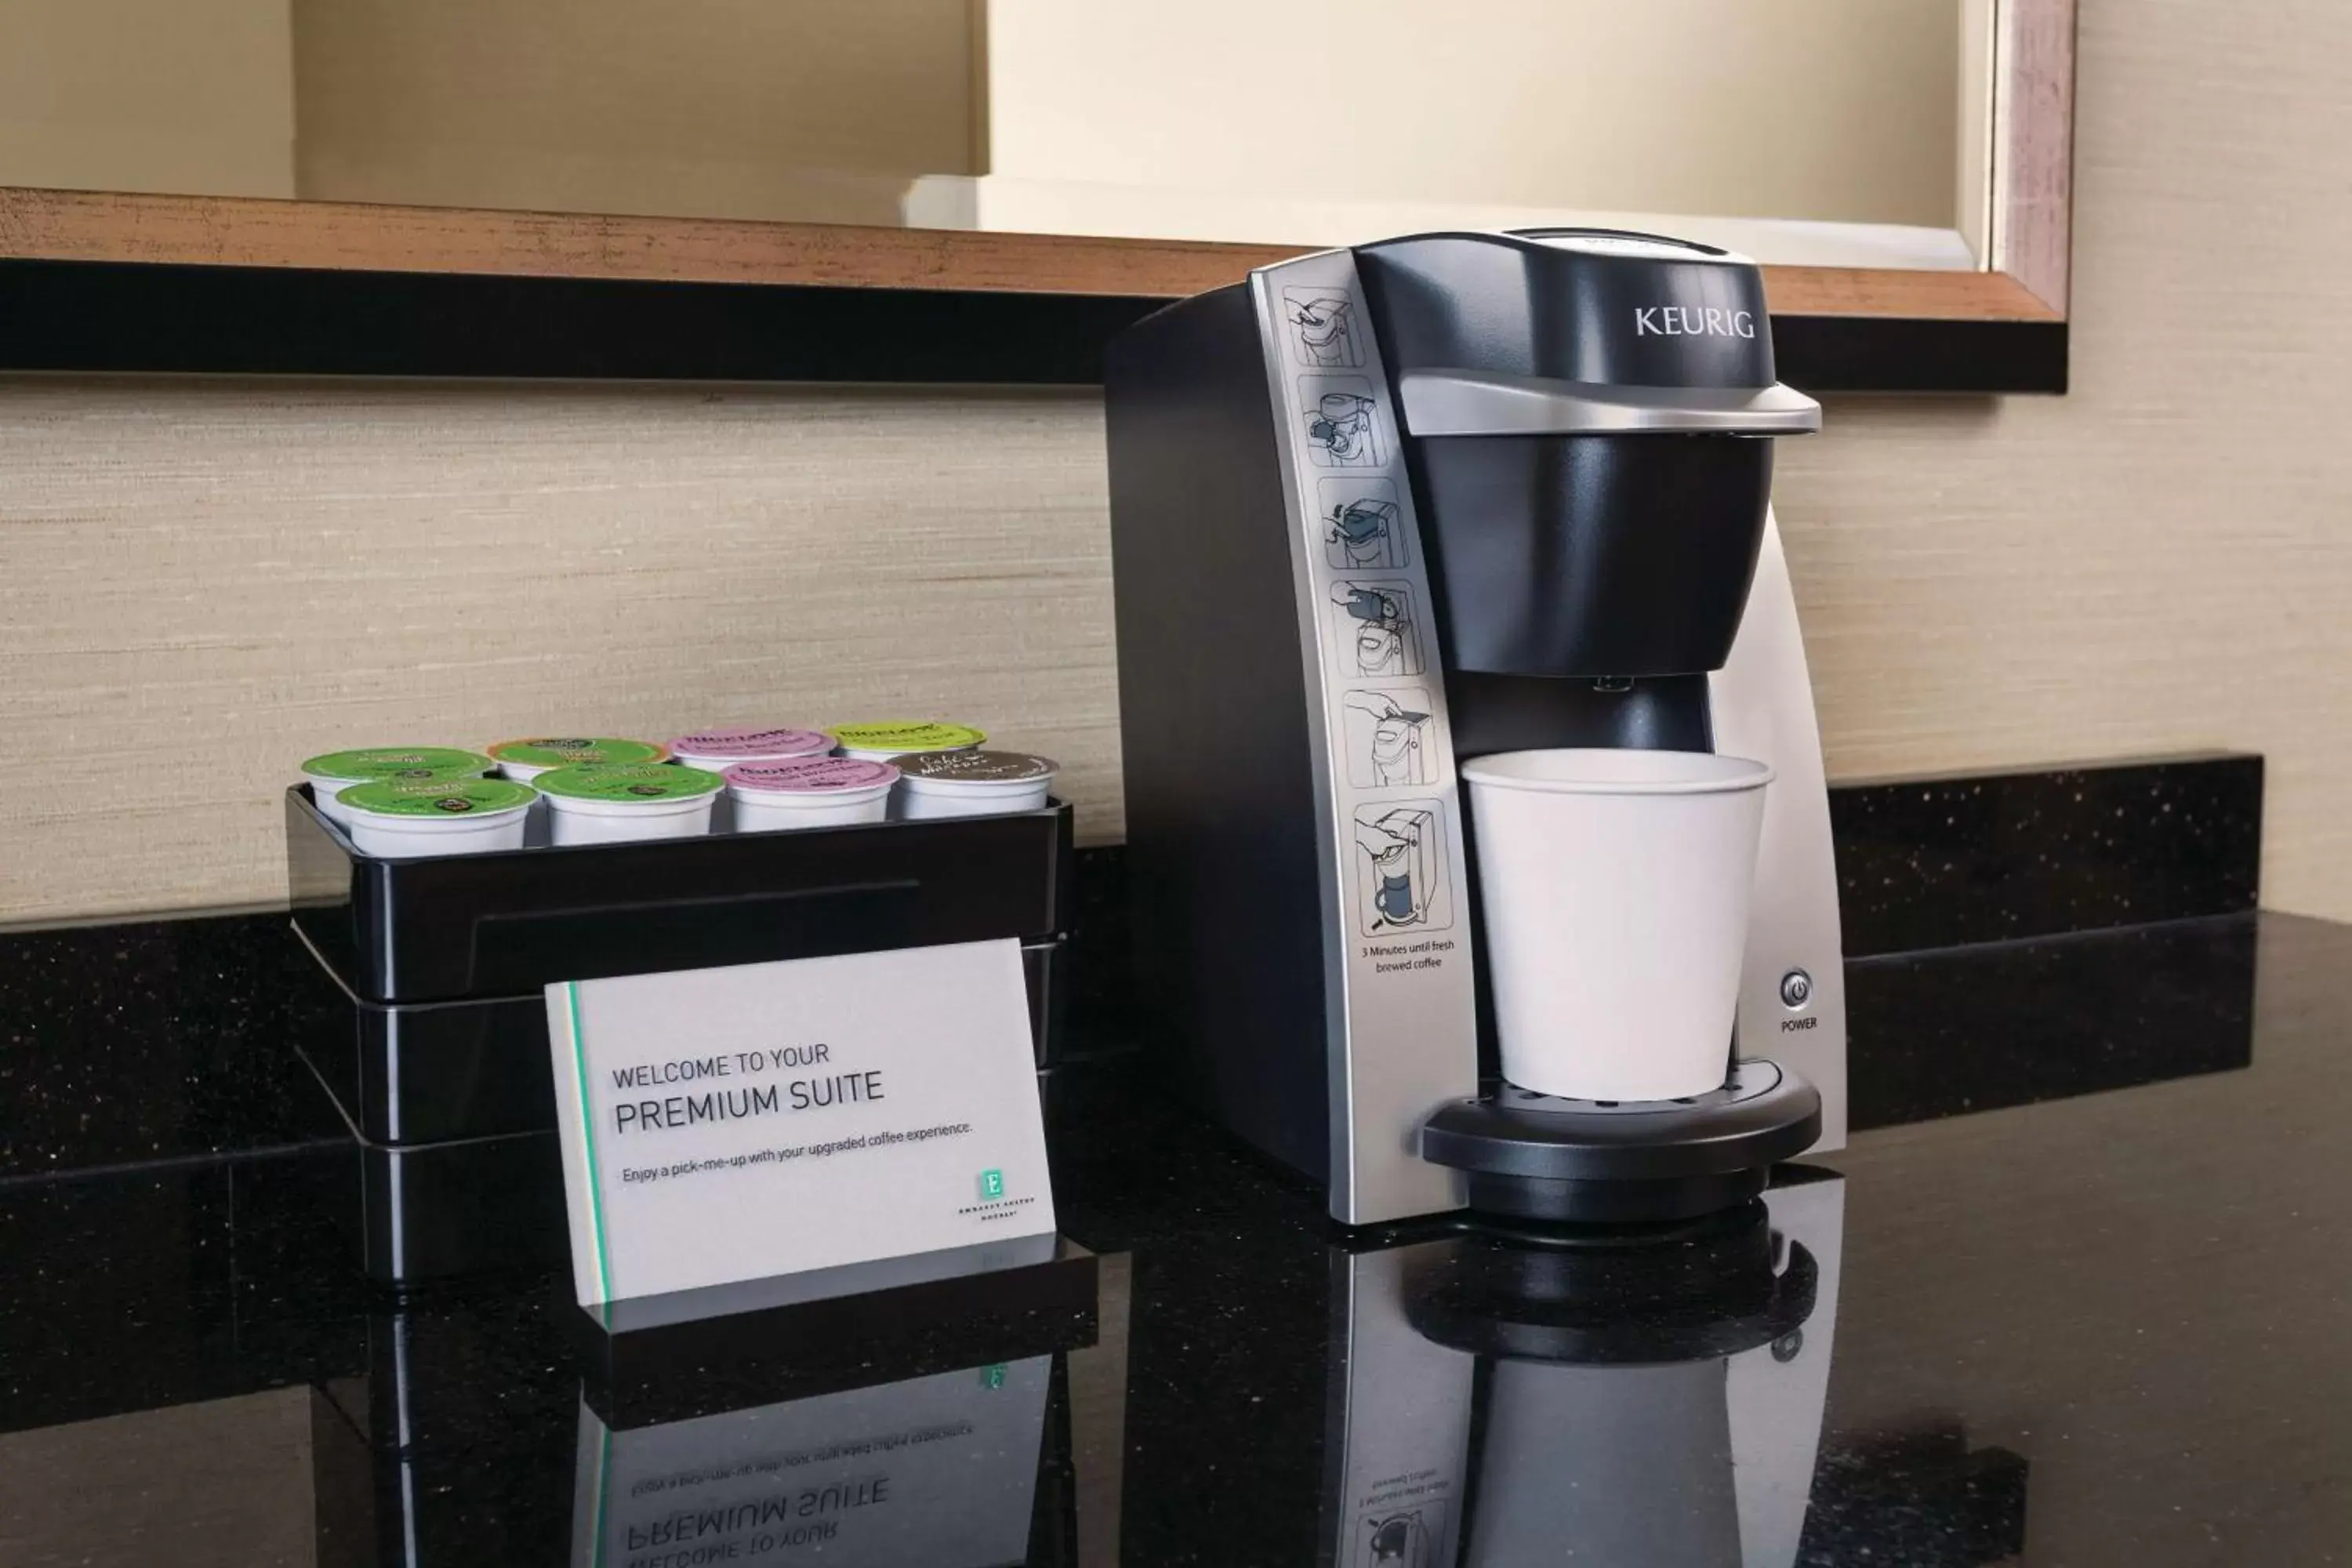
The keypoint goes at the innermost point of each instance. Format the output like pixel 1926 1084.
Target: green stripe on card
pixel 588 1142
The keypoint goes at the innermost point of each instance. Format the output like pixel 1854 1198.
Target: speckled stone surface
pixel 2099 1330
pixel 1993 858
pixel 160 1040
pixel 1975 1028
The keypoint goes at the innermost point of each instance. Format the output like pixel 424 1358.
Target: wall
pixel 130 95
pixel 2160 560
pixel 751 108
pixel 234 577
pixel 1678 106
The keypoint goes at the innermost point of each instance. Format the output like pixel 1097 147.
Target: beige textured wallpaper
pixel 201 583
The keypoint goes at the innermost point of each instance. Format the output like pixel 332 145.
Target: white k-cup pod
pixel 336 772
pixel 809 792
pixel 716 751
pixel 972 783
pixel 614 803
pixel 1615 887
pixel 403 819
pixel 896 738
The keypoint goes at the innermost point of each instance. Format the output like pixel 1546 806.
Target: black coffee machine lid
pixel 1577 331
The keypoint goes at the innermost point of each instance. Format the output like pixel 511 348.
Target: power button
pixel 1796 989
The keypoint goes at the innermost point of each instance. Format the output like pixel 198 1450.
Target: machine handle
pixel 1488 403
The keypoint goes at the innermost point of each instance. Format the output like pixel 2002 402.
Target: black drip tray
pixel 1537 1156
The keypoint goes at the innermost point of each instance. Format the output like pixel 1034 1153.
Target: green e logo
pixel 991 1184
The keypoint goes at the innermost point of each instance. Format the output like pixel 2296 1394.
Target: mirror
pixel 1850 133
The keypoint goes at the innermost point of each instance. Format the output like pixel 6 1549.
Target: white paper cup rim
pixel 1617 770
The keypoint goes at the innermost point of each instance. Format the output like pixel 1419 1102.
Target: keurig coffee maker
pixel 1517 502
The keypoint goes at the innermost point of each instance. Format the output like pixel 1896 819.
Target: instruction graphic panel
pixel 1363 525
pixel 1375 628
pixel 1341 416
pixel 1322 326
pixel 1402 880
pixel 1401 1537
pixel 1395 896
pixel 1387 737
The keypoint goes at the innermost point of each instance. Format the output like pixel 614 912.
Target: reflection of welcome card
pixel 940 1471
pixel 728 1125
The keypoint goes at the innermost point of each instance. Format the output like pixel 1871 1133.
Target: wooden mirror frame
pixel 118 281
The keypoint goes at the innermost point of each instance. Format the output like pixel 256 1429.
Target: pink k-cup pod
pixel 719 749
pixel 809 792
pixel 972 783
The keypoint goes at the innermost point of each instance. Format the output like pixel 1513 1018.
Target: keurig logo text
pixel 1691 321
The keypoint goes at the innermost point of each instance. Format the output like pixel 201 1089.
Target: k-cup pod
pixel 612 802
pixel 400 819
pixel 972 783
pixel 881 743
pixel 716 751
pixel 524 761
pixel 1615 886
pixel 338 771
pixel 809 792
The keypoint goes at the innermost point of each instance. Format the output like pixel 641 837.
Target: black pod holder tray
pixel 442 1074
pixel 1541 1157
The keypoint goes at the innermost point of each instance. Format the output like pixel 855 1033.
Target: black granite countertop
pixel 2103 1324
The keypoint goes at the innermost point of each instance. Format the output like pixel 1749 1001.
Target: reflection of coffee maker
pixel 1650 1395
pixel 1582 485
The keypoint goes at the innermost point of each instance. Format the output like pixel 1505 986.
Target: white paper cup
pixel 624 803
pixel 393 820
pixel 1615 886
pixel 810 792
pixel 896 738
pixel 972 783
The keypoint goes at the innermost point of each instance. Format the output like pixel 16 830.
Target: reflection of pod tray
pixel 507 923
pixel 453 1439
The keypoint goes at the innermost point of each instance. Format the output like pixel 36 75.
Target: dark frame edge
pixel 135 318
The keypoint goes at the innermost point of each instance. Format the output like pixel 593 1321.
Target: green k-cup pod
pixel 398 762
pixel 896 737
pixel 621 782
pixel 436 797
pixel 561 752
